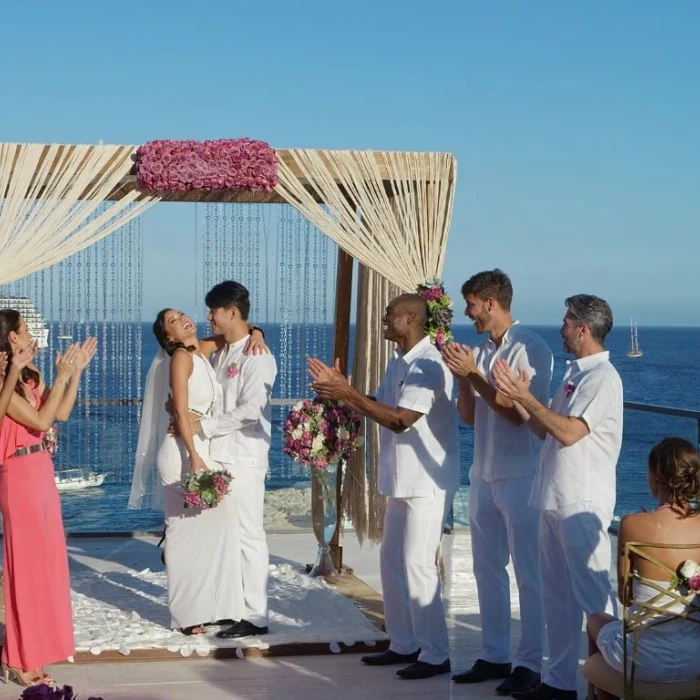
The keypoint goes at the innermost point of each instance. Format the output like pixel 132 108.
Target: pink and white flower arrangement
pixel 205 489
pixel 51 439
pixel 318 432
pixel 687 577
pixel 439 312
pixel 232 370
pixel 227 164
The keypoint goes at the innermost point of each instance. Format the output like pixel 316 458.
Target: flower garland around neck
pixel 439 312
pixel 227 164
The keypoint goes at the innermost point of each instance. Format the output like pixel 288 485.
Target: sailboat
pixel 634 350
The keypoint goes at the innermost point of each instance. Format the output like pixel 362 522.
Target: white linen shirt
pixel 240 430
pixel 503 450
pixel 423 460
pixel 583 473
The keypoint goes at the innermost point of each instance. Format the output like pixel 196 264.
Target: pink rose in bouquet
pixel 318 432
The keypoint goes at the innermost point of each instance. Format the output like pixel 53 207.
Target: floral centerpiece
pixel 319 432
pixel 206 488
pixel 439 312
pixel 227 164
pixel 687 576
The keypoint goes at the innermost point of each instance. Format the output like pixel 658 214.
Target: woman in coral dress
pixel 38 617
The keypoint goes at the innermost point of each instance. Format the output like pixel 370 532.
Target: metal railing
pixel 630 406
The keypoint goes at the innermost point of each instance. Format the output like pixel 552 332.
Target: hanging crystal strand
pixel 306 320
pixel 138 315
pixel 281 254
pixel 323 254
pixel 112 361
pixel 103 337
pixel 197 262
pixel 267 263
pixel 206 248
pixel 299 383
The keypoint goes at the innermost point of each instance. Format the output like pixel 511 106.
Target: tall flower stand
pixel 324 518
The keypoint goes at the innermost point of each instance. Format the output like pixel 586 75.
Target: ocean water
pixel 103 438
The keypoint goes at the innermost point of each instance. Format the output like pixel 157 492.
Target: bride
pixel 201 555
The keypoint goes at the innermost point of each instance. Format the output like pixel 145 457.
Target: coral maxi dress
pixel 38 616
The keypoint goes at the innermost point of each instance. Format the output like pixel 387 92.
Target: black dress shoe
pixel 389 658
pixel 545 692
pixel 520 680
pixel 422 670
pixel 242 629
pixel 483 671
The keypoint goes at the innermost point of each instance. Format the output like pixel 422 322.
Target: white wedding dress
pixel 201 558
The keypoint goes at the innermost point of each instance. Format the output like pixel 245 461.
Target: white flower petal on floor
pixel 127 610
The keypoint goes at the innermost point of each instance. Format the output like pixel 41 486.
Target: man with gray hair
pixel 574 488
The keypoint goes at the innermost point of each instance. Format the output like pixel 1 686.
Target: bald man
pixel 419 475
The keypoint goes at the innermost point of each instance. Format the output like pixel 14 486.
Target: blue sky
pixel 575 124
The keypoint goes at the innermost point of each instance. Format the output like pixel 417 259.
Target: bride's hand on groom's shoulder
pixel 256 344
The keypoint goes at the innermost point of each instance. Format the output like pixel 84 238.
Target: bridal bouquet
pixel 318 432
pixel 205 489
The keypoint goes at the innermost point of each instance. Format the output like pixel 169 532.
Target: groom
pixel 240 440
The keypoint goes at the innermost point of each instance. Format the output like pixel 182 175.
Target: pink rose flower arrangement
pixel 51 439
pixel 228 164
pixel 439 312
pixel 569 388
pixel 205 489
pixel 687 577
pixel 318 432
pixel 232 370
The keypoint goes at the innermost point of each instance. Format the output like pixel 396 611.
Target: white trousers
pixel 413 607
pixel 248 489
pixel 503 526
pixel 575 561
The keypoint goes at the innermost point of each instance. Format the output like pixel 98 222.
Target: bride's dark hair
pixel 10 321
pixel 675 467
pixel 170 346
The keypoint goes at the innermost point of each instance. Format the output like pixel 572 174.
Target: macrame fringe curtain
pixel 362 502
pixel 52 202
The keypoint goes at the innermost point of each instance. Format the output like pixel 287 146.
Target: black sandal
pixel 189 631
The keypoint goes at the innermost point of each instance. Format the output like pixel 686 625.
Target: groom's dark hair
pixel 227 294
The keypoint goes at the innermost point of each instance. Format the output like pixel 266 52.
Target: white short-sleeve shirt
pixel 585 471
pixel 424 459
pixel 503 450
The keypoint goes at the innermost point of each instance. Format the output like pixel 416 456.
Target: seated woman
pixel 669 652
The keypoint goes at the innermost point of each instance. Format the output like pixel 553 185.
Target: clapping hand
pixel 86 352
pixel 65 362
pixel 327 382
pixel 21 358
pixel 459 360
pixel 514 386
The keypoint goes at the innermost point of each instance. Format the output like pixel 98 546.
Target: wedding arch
pixel 388 211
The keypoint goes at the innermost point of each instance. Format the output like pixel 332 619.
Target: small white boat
pixel 77 479
pixel 634 350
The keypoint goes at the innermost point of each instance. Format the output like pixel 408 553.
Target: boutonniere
pixel 232 370
pixel 569 388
